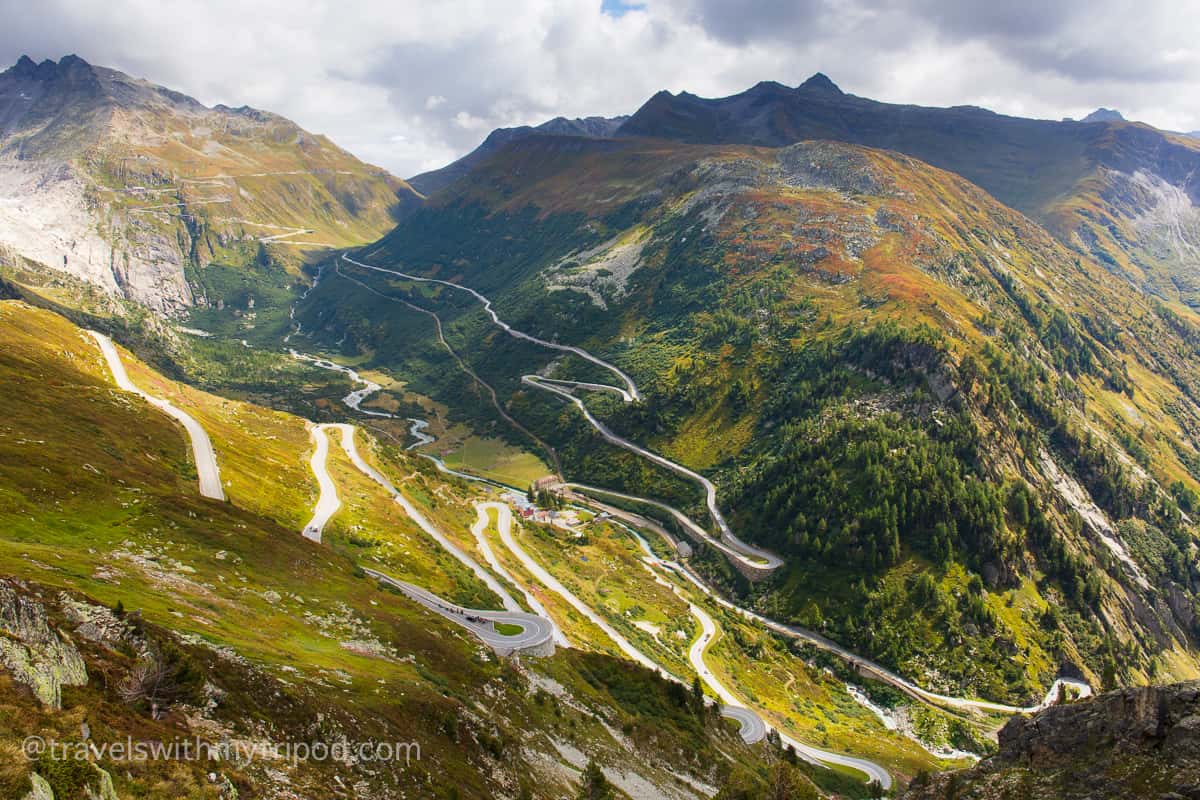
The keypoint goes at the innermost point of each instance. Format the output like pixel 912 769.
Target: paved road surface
pixel 422 522
pixel 768 560
pixel 734 546
pixel 328 501
pixel 752 727
pixel 479 530
pixel 630 392
pixel 504 525
pixel 202 449
pixel 535 631
pixel 870 667
pixel 812 754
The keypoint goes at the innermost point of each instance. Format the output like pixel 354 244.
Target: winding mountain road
pixel 683 519
pixel 328 501
pixel 535 632
pixel 753 557
pixel 733 546
pixel 422 521
pixel 752 728
pixel 202 449
pixel 752 724
pixel 504 527
pixel 629 393
pixel 479 531
pixel 809 753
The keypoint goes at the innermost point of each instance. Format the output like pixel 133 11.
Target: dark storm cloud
pixel 1085 40
pixel 753 20
pixel 411 84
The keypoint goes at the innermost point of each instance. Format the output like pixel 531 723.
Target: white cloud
pixel 468 122
pixel 411 85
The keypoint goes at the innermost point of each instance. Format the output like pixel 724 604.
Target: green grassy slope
pixel 272 639
pixel 888 374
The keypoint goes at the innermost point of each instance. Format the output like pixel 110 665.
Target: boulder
pixel 36 654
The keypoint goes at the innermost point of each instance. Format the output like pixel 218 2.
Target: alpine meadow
pixel 779 443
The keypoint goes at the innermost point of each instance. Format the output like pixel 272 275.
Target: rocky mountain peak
pixel 767 87
pixel 69 66
pixel 73 63
pixel 25 67
pixel 820 82
pixel 1104 115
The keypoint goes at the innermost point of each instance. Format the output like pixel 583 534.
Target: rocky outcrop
pixel 98 623
pixel 36 654
pixel 41 789
pixel 103 788
pixel 1138 742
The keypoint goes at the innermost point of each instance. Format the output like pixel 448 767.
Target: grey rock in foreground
pixel 35 653
pixel 1139 742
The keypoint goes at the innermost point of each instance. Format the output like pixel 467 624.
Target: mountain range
pixel 1121 193
pixel 903 401
pixel 598 127
pixel 128 185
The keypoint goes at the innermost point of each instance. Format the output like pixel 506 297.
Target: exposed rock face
pixel 98 623
pixel 103 789
pixel 125 184
pixel 46 216
pixel 1140 742
pixel 41 789
pixel 36 655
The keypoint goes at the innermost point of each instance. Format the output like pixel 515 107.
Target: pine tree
pixel 594 786
pixel 698 695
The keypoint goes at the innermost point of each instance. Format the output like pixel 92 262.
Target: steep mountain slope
pixel 435 180
pixel 130 185
pixel 958 432
pixel 1131 743
pixel 1120 192
pixel 131 607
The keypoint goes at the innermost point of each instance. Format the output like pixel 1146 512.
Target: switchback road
pixel 202 449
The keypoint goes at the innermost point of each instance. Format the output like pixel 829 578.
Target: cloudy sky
pixel 412 84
